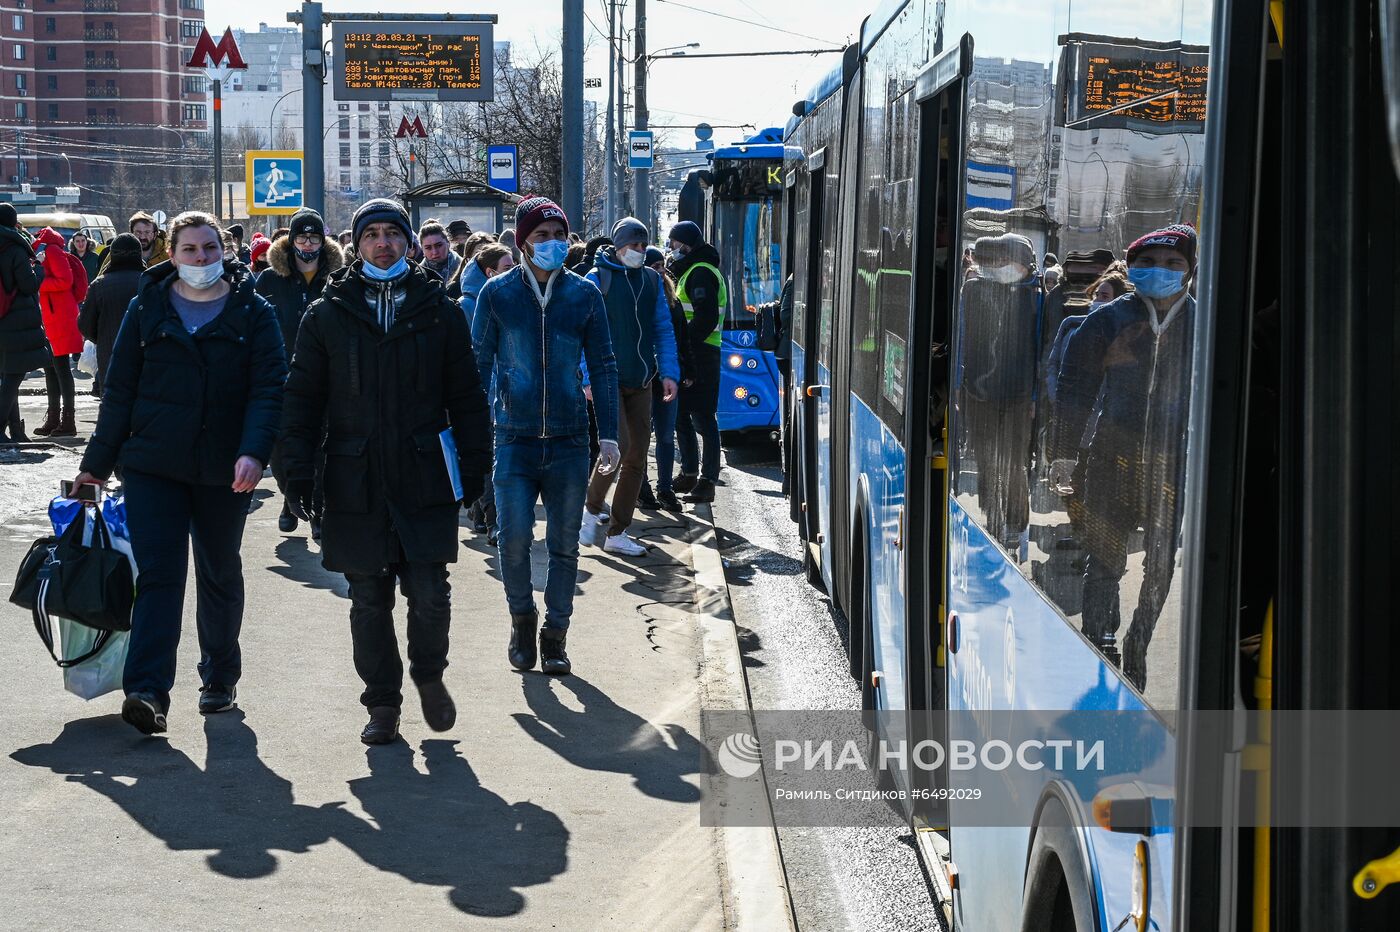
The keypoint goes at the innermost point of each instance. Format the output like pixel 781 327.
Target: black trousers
pixel 9 402
pixel 58 378
pixel 165 517
pixel 425 587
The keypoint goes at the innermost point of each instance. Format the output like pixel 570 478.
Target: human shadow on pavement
pixel 236 808
pixel 303 565
pixel 443 828
pixel 608 738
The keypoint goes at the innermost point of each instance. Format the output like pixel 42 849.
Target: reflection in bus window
pixel 1000 340
pixel 1127 367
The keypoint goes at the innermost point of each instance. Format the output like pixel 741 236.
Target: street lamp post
pixel 271 144
pixel 69 162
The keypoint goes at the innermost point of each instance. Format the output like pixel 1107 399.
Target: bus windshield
pixel 747 240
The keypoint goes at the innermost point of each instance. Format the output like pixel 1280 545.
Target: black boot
pixel 286 521
pixel 67 425
pixel 17 434
pixel 383 726
pixel 556 661
pixel 668 501
pixel 704 491
pixel 645 498
pixel 439 711
pixel 315 529
pixel 50 424
pixel 522 652
pixel 684 483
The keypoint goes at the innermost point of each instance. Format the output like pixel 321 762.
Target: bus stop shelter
pixel 482 206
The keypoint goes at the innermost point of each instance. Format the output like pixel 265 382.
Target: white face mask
pixel 1095 305
pixel 201 277
pixel 632 258
pixel 1006 274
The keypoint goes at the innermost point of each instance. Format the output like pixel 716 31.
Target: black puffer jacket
pixel 23 345
pixel 185 406
pixel 106 304
pixel 384 398
pixel 286 288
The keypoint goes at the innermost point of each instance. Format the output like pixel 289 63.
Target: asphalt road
pixel 793 643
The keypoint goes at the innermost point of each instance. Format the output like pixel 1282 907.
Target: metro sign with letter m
pixel 219 59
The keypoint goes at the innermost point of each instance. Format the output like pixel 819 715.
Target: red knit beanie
pixel 532 212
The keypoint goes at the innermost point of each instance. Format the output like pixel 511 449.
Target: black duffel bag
pixel 90 584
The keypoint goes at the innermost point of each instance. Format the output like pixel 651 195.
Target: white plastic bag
pixel 88 363
pixel 99 675
pixel 102 674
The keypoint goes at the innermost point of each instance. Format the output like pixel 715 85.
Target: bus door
pixel 939 96
pixel 815 319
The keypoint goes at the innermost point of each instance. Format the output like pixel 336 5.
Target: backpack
pixel 605 280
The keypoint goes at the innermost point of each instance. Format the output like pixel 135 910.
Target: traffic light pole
pixel 643 178
pixel 313 92
pixel 571 167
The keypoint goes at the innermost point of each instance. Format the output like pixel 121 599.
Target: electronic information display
pixel 413 61
pixel 1101 79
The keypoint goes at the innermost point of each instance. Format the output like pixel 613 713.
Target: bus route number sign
pixel 421 61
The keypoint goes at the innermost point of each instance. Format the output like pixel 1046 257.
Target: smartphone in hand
pixel 89 492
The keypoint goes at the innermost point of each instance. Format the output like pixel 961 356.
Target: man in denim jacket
pixel 531 326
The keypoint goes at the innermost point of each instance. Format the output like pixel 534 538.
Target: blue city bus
pixel 742 219
pixel 1186 513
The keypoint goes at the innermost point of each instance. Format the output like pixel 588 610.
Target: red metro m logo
pixel 208 55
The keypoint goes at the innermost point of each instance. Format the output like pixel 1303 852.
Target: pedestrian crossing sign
pixel 274 181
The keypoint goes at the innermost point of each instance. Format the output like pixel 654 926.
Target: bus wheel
pixel 1058 894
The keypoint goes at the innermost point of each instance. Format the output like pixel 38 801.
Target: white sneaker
pixel 588 530
pixel 625 545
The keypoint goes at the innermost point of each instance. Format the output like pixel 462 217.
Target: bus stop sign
pixel 503 168
pixel 639 149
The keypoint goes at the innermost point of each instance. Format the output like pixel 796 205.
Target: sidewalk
pixel 554 803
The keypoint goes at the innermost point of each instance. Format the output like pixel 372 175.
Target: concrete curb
pixel 755 893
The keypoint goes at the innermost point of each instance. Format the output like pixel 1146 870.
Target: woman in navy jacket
pixel 191 406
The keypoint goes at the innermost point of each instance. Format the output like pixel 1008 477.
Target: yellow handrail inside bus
pixel 1276 14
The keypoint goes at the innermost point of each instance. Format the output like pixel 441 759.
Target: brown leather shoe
pixel 50 424
pixel 67 425
pixel 438 709
pixel 383 726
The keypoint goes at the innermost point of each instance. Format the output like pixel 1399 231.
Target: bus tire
pixel 858 618
pixel 1058 895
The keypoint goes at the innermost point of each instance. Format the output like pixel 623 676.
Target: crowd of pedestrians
pixel 388 377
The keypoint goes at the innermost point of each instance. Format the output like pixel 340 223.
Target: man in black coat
pixel 385 361
pixel 298 266
pixel 23 344
pixel 704 296
pixel 108 298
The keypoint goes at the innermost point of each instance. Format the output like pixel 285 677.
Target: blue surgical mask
pixel 1157 283
pixel 375 273
pixel 549 255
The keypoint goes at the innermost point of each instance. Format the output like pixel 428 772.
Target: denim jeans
pixel 663 425
pixel 425 587
pixel 530 469
pixel 164 516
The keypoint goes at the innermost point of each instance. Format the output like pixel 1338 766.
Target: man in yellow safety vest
pixel 704 296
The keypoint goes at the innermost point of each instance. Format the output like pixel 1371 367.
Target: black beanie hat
pixel 687 232
pixel 126 252
pixel 236 231
pixel 380 210
pixel 9 217
pixel 306 221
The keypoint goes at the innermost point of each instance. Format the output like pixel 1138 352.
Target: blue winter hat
pixel 381 210
pixel 687 232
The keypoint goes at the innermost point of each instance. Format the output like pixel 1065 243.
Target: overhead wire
pixel 747 22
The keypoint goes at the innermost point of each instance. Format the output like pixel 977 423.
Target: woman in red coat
pixel 62 290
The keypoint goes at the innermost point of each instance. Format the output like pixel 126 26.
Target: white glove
pixel 608 456
pixel 1062 476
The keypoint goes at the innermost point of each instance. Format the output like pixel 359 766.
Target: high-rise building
pixel 100 81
